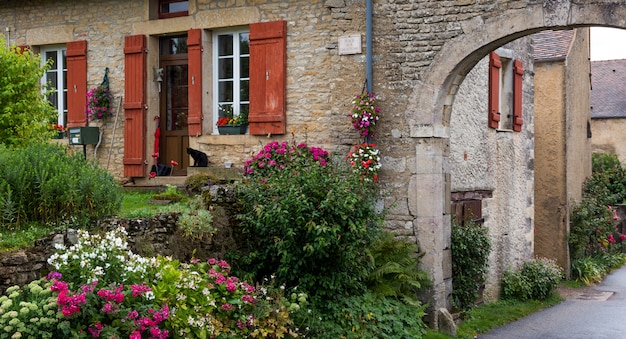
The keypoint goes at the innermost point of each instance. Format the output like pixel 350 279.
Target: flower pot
pixel 232 129
pixel 59 135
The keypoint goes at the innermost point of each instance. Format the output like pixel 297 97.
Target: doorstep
pixel 221 173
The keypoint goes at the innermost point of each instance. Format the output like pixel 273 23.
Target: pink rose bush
pixel 275 157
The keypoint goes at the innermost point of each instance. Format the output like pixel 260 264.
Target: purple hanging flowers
pixel 99 100
pixel 364 114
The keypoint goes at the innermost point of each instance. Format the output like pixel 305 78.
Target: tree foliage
pixel 25 113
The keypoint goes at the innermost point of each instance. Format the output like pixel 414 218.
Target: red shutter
pixel 494 89
pixel 268 71
pixel 76 53
pixel 518 73
pixel 194 46
pixel 24 48
pixel 134 105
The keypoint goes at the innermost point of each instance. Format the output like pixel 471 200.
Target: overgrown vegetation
pixel 536 279
pixel 49 184
pixel 470 246
pixel 25 113
pixel 595 241
pixel 310 223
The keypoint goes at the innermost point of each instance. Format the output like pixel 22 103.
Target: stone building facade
pixel 562 138
pixel 421 54
pixel 491 168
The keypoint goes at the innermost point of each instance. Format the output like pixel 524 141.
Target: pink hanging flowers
pixel 364 114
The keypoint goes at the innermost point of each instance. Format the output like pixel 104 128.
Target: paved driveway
pixel 596 313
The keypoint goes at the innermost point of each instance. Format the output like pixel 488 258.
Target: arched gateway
pixel 428 111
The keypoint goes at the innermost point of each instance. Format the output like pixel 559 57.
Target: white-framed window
pixel 231 69
pixel 56 78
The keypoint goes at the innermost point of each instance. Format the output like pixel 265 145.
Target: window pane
pixel 64 101
pixel 244 67
pixel 174 45
pixel 244 109
pixel 52 97
pixel 51 77
pixel 176 6
pixel 225 69
pixel 52 56
pixel 65 80
pixel 244 43
pixel 225 43
pixel 226 91
pixel 244 91
pixel 63 57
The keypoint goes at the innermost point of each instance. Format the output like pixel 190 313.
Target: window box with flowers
pixel 227 124
pixel 60 131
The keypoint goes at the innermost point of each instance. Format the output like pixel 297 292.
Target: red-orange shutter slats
pixel 268 71
pixel 518 73
pixel 194 47
pixel 76 56
pixel 134 105
pixel 494 89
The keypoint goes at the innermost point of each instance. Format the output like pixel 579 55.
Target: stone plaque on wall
pixel 350 44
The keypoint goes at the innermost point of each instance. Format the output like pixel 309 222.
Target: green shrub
pixel 537 279
pixel 396 270
pixel 593 221
pixel 306 220
pixel 25 113
pixel 49 184
pixel 470 247
pixel 365 316
pixel 608 180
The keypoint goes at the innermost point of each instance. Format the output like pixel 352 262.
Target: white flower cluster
pixel 95 254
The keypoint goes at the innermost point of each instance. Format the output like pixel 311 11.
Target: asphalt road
pixel 598 313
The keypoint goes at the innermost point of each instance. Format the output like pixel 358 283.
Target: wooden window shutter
pixel 518 73
pixel 494 89
pixel 134 105
pixel 194 47
pixel 268 71
pixel 76 56
pixel 23 48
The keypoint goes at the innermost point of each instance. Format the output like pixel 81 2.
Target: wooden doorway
pixel 174 101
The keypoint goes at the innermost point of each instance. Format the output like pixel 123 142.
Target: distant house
pixel 608 107
pixel 562 144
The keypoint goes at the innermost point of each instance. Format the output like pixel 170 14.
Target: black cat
pixel 200 159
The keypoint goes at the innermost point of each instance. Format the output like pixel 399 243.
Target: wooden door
pixel 174 104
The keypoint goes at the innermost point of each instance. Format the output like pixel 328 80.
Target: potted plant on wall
pixel 228 124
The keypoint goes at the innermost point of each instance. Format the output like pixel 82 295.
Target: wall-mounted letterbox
pixel 84 135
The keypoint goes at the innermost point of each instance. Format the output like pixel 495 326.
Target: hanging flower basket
pixel 364 114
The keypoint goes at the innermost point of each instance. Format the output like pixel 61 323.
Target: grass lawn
pixel 134 205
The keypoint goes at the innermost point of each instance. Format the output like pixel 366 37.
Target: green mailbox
pixel 84 135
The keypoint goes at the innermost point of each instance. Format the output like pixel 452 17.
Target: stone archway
pixel 429 108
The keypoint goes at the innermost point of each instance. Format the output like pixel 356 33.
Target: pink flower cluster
pixel 277 156
pixel 70 304
pixel 364 114
pixel 99 103
pixel 218 273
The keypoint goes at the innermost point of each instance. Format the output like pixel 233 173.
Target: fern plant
pixel 395 270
